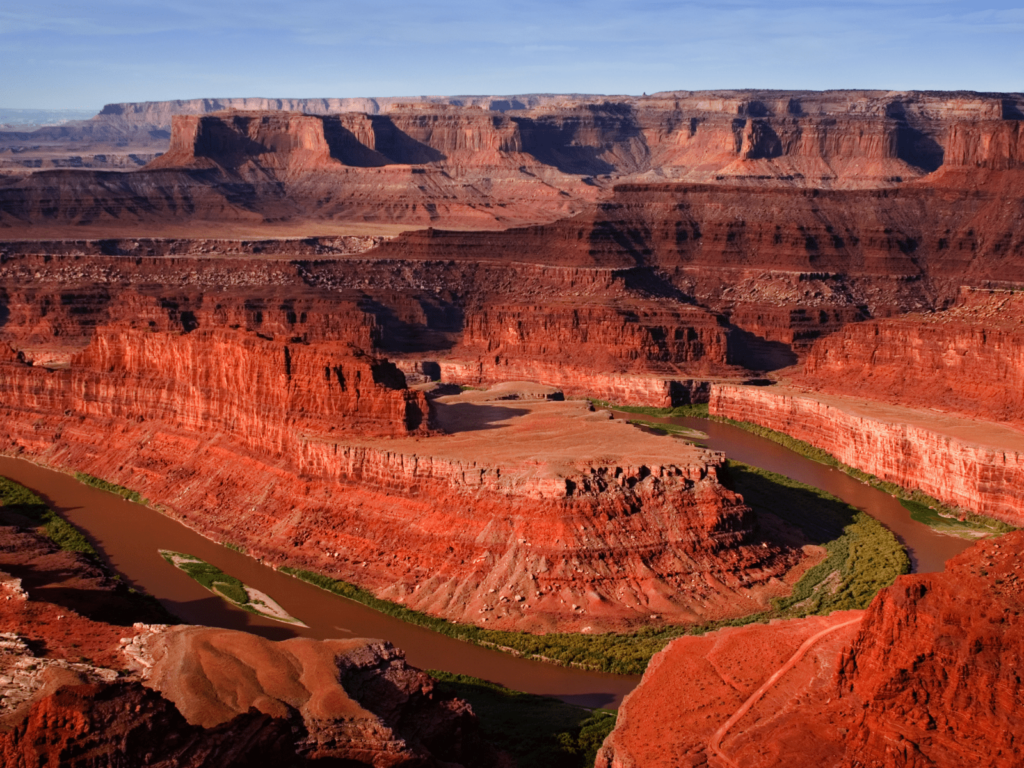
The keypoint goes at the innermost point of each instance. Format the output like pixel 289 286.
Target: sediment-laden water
pixel 129 537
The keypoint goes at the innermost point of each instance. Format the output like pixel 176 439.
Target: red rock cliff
pixel 928 678
pixel 262 391
pixel 935 664
pixel 976 466
pixel 967 360
pixel 291 451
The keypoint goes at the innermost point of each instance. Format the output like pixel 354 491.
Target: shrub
pixel 106 485
pixel 17 498
pixel 535 730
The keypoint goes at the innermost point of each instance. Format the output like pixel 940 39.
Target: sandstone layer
pixel 484 162
pixel 926 678
pixel 966 360
pixel 977 466
pixel 528 513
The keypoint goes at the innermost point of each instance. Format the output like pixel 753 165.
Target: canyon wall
pixel 313 456
pixel 263 391
pixel 843 138
pixel 975 466
pixel 967 360
pixel 479 163
pixel 479 322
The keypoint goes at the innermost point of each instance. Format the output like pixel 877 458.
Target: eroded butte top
pixel 533 438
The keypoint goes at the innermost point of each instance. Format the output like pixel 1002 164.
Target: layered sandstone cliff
pixel 620 335
pixel 487 163
pixel 976 466
pixel 267 393
pixel 311 456
pixel 846 138
pixel 967 360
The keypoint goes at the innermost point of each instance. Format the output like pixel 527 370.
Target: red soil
pixel 71 696
pixel 692 688
pixel 927 678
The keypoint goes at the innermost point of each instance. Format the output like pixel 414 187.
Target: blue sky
pixel 80 55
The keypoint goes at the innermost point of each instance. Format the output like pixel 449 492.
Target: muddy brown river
pixel 128 536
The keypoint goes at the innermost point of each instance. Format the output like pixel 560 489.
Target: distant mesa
pixel 478 163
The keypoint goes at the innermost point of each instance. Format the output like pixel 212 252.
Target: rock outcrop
pixel 934 665
pixel 967 360
pixel 927 679
pixel 966 464
pixel 78 691
pixel 615 339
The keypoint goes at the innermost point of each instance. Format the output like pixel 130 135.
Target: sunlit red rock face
pixel 935 662
pixel 533 515
pixel 266 393
pixel 927 678
pixel 598 332
pixel 78 690
pixel 967 360
pixel 975 465
pixel 487 163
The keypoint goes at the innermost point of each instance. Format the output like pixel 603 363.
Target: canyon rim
pixel 378 344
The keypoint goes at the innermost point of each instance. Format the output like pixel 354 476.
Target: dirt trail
pixel 715 745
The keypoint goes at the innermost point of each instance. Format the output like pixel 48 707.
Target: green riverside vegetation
pixel 231 589
pixel 18 499
pixel 862 557
pixel 211 577
pixel 693 410
pixel 923 508
pixel 106 485
pixel 537 731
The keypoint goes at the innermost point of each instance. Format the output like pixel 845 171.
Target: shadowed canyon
pixel 377 344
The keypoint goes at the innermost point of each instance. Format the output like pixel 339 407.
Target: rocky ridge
pixel 925 679
pixel 482 164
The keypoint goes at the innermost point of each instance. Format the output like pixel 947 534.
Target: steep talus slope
pixel 929 678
